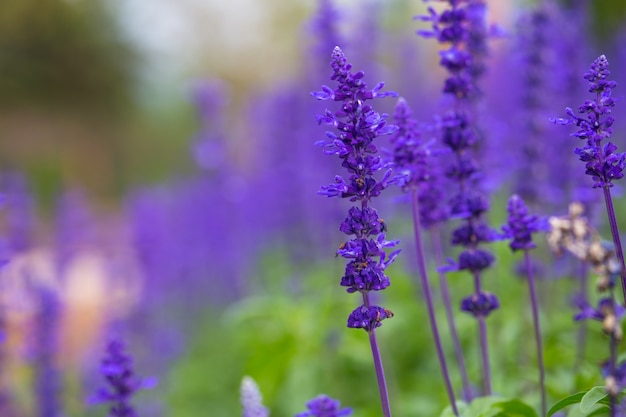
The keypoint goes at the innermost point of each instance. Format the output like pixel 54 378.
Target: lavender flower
pixel 602 163
pixel 461 29
pixel 117 368
pixel 358 125
pixel 251 400
pixel 536 151
pixel 324 406
pixel 324 27
pixel 519 228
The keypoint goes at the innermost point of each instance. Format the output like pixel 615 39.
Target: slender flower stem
pixel 421 262
pixel 378 365
pixel 538 339
pixel 445 295
pixel 616 239
pixel 380 375
pixel 484 349
pixel 581 337
pixel 484 346
pixel 613 357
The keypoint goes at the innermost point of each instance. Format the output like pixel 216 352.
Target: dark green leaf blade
pixel 567 401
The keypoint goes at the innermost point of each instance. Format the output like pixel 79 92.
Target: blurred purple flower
pixel 117 368
pixel 48 378
pixel 480 304
pixel 251 399
pixel 20 216
pixel 324 406
pixel 521 225
pixel 606 307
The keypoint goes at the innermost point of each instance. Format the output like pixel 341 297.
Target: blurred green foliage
pixel 63 54
pixel 292 339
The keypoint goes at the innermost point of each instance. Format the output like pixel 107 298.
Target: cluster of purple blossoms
pixel 452 27
pixel 324 406
pixel 358 125
pixel 602 162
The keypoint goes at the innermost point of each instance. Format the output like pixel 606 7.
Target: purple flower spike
pixel 324 406
pixel 481 304
pixel 357 125
pixel 601 161
pixel 521 225
pixel 117 368
pixel 462 30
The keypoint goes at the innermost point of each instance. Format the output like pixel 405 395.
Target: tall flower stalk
pixel 411 156
pixel 358 125
pixel 461 29
pixel 519 229
pixel 602 163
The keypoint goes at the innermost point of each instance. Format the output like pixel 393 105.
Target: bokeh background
pixel 160 179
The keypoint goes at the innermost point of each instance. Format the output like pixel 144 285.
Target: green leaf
pixel 592 397
pixel 461 407
pixel 515 407
pixel 482 407
pixel 600 411
pixel 596 410
pixel 567 401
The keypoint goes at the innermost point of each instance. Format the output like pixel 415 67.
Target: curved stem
pixel 608 201
pixel 538 339
pixel 445 295
pixel 421 262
